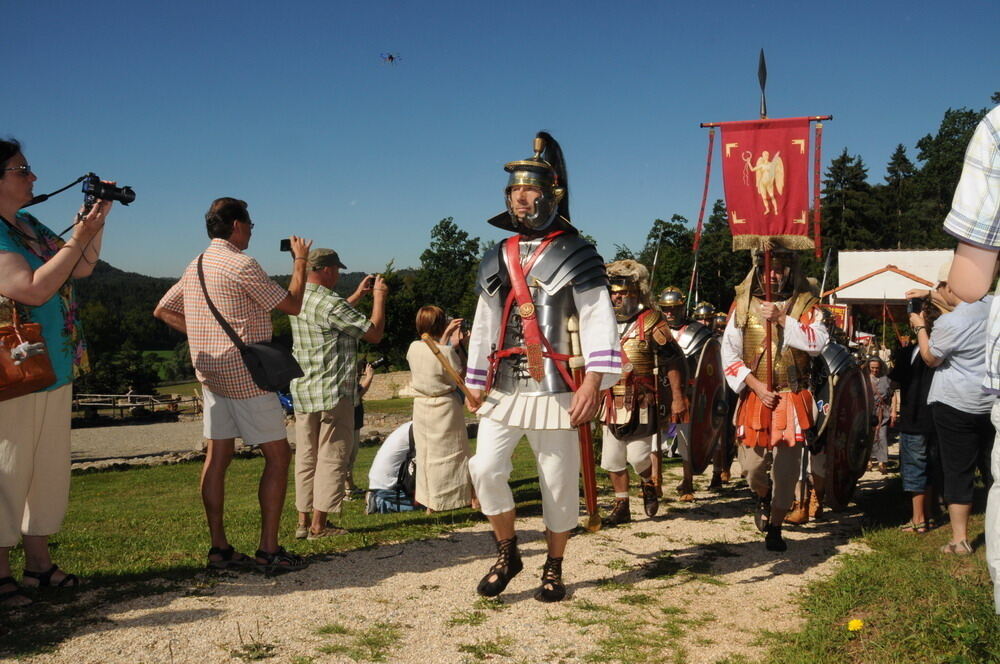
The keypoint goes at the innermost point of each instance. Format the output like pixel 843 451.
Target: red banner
pixel 765 169
pixel 839 314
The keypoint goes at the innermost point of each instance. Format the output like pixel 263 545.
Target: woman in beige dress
pixel 439 433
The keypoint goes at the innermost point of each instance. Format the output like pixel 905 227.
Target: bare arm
pixel 366 379
pixel 585 400
pixel 172 318
pixel 292 304
pixel 363 289
pixel 34 287
pixel 679 407
pixel 379 293
pixel 972 271
pixel 918 324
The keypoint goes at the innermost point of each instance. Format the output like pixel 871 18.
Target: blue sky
pixel 289 106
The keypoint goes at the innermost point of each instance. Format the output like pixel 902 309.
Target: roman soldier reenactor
pixel 649 396
pixel 530 287
pixel 772 424
pixel 697 440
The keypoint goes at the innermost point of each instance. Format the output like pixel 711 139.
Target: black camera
pixel 914 305
pixel 378 363
pixel 95 190
pixel 286 244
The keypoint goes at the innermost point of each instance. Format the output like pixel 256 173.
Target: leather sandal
pixel 279 561
pixel 552 589
pixel 45 578
pixel 229 558
pixel 507 566
pixel 12 599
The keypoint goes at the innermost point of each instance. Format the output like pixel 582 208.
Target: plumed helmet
pixel 546 170
pixel 704 310
pixel 671 296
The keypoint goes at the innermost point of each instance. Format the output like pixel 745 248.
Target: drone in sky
pixel 390 58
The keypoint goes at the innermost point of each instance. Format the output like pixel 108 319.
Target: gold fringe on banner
pixel 792 242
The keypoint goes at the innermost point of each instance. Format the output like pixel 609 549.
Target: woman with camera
pixel 439 433
pixel 36 268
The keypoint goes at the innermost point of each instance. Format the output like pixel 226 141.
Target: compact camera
pixel 378 363
pixel 914 305
pixel 95 190
pixel 285 244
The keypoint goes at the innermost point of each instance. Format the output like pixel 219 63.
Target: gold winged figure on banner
pixel 770 175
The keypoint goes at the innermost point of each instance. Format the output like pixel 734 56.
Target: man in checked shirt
pixel 975 220
pixel 234 405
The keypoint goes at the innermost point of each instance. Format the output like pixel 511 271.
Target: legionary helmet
pixel 785 263
pixel 546 170
pixel 632 279
pixel 704 311
pixel 671 302
pixel 719 321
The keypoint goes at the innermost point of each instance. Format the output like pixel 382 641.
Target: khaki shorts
pixel 257 420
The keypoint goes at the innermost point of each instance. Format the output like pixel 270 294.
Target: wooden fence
pixel 132 404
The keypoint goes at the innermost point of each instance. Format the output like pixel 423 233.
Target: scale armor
pixel 569 264
pixel 640 401
pixel 791 367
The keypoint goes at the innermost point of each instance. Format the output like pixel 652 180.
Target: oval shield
pixel 848 436
pixel 709 409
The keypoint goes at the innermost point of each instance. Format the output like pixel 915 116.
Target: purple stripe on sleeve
pixel 604 353
pixel 606 365
pixel 477 372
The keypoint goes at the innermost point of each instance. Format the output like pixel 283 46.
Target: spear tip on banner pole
pixel 762 79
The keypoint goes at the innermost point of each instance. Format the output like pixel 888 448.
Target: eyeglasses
pixel 248 223
pixel 23 170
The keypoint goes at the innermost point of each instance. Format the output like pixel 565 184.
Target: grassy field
pixel 917 607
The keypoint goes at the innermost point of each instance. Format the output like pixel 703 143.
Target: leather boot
pixel 650 503
pixel 773 540
pixel 506 567
pixel 620 513
pixel 799 512
pixel 815 505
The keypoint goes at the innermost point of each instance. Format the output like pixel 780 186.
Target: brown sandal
pixel 44 579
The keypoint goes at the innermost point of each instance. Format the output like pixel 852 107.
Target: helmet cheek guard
pixel 545 210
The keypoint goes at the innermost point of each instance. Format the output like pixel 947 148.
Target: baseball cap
pixel 320 258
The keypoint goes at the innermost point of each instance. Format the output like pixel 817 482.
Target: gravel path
pixel 693 585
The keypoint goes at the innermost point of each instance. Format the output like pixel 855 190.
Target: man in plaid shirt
pixel 326 333
pixel 975 220
pixel 234 405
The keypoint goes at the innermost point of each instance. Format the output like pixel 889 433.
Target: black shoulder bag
pixel 270 364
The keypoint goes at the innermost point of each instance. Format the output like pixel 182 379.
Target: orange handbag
pixel 25 366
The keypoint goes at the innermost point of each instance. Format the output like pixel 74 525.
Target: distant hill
pixel 117 307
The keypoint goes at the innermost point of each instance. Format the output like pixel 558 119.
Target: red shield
pixel 848 435
pixel 708 405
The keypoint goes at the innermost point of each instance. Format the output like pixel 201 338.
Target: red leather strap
pixel 533 340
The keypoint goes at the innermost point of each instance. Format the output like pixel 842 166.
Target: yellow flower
pixel 855 624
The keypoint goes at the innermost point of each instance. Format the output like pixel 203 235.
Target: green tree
pixel 719 267
pixel 448 269
pixel 674 260
pixel 898 193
